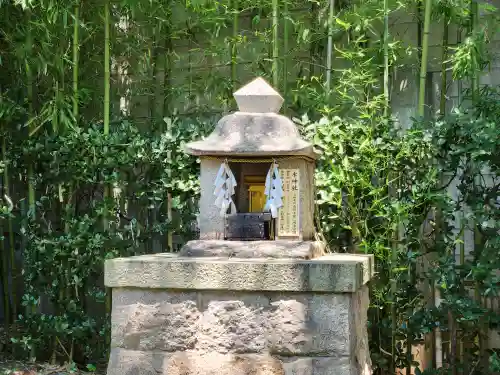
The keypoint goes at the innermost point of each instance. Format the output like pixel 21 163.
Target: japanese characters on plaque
pixel 288 220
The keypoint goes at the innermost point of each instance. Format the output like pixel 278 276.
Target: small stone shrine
pixel 256 294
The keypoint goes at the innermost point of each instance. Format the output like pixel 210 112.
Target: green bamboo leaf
pixel 345 25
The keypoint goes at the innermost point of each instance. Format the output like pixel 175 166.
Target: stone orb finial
pixel 258 96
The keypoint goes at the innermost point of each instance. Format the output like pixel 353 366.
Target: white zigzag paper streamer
pixel 273 191
pixel 225 185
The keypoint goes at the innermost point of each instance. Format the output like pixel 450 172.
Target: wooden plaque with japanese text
pixel 288 218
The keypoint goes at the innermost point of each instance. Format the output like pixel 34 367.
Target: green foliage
pixel 381 189
pixel 66 241
pixel 385 191
pixel 360 166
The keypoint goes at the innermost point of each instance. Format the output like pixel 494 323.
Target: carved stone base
pixel 218 316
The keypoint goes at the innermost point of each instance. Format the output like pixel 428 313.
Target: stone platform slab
pixel 278 249
pixel 335 273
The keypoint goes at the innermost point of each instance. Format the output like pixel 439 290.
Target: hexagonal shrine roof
pixel 256 129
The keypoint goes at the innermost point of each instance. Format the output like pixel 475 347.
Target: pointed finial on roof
pixel 258 97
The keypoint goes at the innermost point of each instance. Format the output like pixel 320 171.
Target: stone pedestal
pixel 175 315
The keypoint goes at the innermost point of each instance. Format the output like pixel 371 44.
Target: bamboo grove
pixel 97 99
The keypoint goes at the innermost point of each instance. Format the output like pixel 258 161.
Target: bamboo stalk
pixel 482 328
pixel 423 63
pixel 234 50
pixel 285 51
pixel 155 112
pixel 393 291
pixel 55 129
pixel 396 239
pixel 354 216
pixel 453 342
pixel 3 255
pixel 312 45
pixel 170 242
pixel 386 57
pixel 329 53
pixel 152 66
pixel 167 69
pixel 475 74
pixel 166 106
pixel 444 59
pixel 75 69
pixel 478 240
pixel 190 73
pixel 13 266
pixel 393 260
pixel 107 78
pixel 438 336
pixel 275 43
pixel 418 12
pixel 55 119
pixel 11 254
pixel 421 114
pixel 29 77
pixel 5 280
pixel 409 338
pixel 76 56
pixel 107 63
pixel 31 187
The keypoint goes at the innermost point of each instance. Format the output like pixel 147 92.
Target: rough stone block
pixel 160 326
pixel 334 366
pixel 278 323
pixel 310 325
pixel 232 326
pixel 360 304
pixel 298 366
pixel 318 366
pixel 131 362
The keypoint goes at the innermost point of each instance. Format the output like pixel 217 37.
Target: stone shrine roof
pixel 255 130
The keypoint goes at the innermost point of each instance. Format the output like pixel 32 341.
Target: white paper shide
pixel 225 185
pixel 273 191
